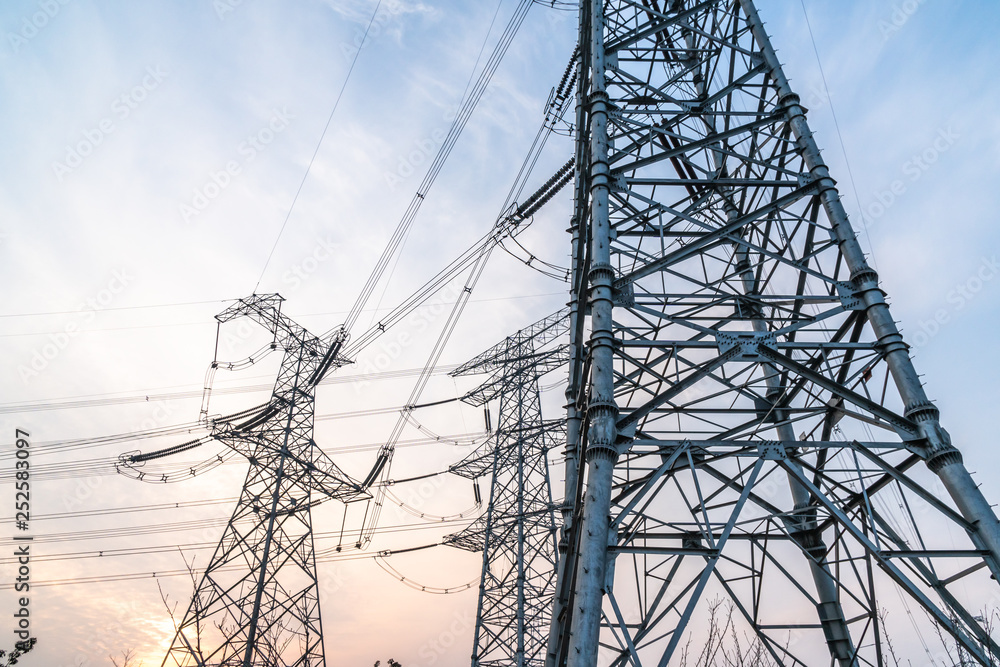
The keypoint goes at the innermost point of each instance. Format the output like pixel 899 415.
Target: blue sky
pixel 226 100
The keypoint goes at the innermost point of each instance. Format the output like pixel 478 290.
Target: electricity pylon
pixel 743 410
pixel 257 604
pixel 517 533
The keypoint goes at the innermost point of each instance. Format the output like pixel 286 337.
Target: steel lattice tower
pixel 257 603
pixel 744 417
pixel 517 533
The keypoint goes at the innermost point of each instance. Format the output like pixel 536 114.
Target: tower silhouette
pixel 517 533
pixel 257 603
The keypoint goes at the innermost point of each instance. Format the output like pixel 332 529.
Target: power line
pixel 158 305
pixel 840 137
pixel 422 192
pixel 145 397
pixel 105 467
pixel 469 103
pixel 326 127
pixel 102 329
pixel 133 509
pixel 159 529
pixel 166 325
pixel 132 576
pixel 192 303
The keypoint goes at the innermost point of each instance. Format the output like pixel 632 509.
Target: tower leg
pixel 942 457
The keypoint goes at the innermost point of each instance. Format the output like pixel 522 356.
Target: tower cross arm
pixel 326 477
pixel 524 342
pixel 533 365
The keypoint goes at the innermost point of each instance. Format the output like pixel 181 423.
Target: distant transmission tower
pixel 743 409
pixel 517 533
pixel 257 604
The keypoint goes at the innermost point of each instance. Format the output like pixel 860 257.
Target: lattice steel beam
pixel 517 533
pixel 750 416
pixel 257 603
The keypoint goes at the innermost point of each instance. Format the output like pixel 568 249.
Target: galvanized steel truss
pixel 751 422
pixel 257 603
pixel 517 533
